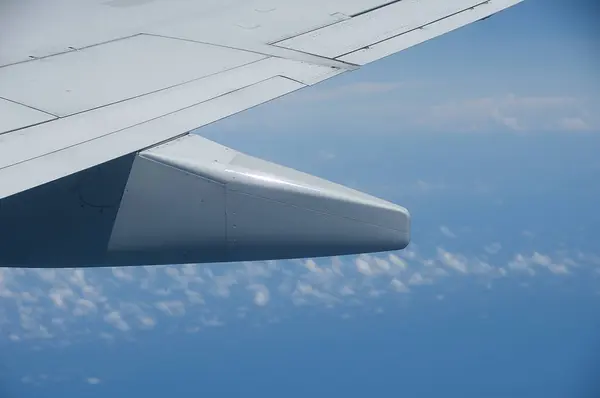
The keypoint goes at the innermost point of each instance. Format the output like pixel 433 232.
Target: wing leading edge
pixel 84 113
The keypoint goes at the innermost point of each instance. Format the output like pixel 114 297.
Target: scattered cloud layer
pixel 111 303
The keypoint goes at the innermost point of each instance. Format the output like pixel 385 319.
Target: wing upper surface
pixel 84 82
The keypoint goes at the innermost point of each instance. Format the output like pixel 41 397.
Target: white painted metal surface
pixel 15 116
pixel 165 208
pixel 127 68
pixel 405 40
pixel 43 153
pixel 252 176
pixel 39 28
pixel 85 83
pixel 68 160
pixel 222 205
pixel 374 27
pixel 110 88
pixel 94 124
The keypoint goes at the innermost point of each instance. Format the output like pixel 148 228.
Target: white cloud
pixel 326 155
pixel 352 91
pixel 51 306
pixel 513 112
pixel 529 264
pixel 213 322
pixel 146 322
pixel 307 294
pixel 93 380
pixel 171 308
pixel 223 284
pixel 456 262
pixel 311 265
pixel 428 187
pixel 114 319
pixel 363 266
pixel 261 294
pixel 447 232
pixel 521 264
pixel 382 264
pixel 194 297
pixel 60 295
pixel 558 269
pixel 399 286
pixel 541 259
pixel 84 307
pixel 573 124
pixel 397 261
pixel 493 248
pixel 418 279
pixel 123 273
pixel 347 291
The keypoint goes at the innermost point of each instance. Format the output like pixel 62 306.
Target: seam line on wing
pixel 292 79
pixel 286 37
pixel 389 3
pixel 70 50
pixel 322 212
pixel 28 126
pixel 29 106
pixel 203 42
pixel 317 59
pixel 141 123
pixel 162 89
pixel 225 185
pixel 417 28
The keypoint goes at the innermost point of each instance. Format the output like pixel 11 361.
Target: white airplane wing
pixel 97 99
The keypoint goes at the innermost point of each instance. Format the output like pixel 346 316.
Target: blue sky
pixel 489 135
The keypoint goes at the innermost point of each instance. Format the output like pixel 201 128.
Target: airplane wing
pixel 97 99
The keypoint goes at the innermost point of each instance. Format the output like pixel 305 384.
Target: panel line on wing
pixel 314 29
pixel 168 63
pixel 411 38
pixel 29 106
pixel 147 121
pixel 292 79
pixel 373 27
pixel 68 50
pixel 418 27
pixel 389 3
pixel 72 158
pixel 15 116
pixel 272 50
pixel 26 127
pixel 164 89
pixel 72 130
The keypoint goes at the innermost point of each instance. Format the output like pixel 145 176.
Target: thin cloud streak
pixel 415 106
